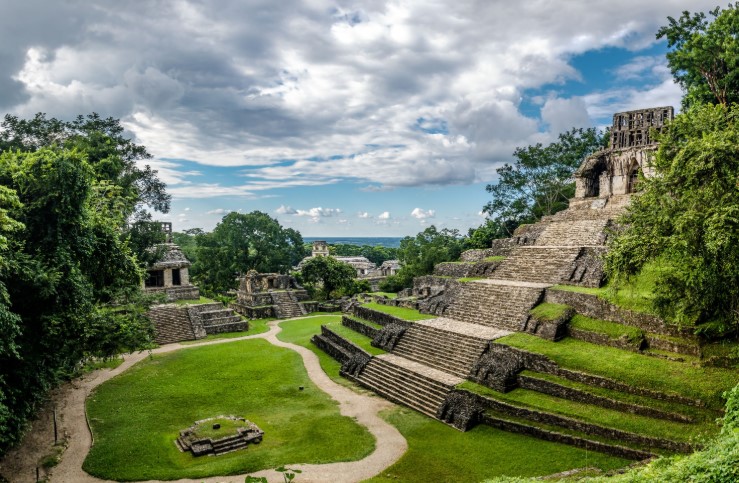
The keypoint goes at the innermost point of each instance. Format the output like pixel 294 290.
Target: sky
pixel 338 118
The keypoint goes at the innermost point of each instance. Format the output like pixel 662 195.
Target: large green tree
pixel 540 181
pixel 243 242
pixel 67 277
pixel 686 222
pixel 705 55
pixel 325 275
pixel 419 254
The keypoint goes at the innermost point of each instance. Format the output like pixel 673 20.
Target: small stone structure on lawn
pixel 216 436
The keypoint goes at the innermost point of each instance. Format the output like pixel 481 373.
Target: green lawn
pixel 705 383
pixel 388 295
pixel 440 453
pixel 136 416
pixel 361 340
pixel 300 331
pixel 610 329
pixel 400 312
pixel 256 326
pixel 549 311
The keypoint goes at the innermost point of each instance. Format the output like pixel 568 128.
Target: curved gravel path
pixel 389 447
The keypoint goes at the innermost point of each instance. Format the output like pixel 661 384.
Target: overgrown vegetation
pixel 418 255
pixel 243 242
pixel 399 312
pixel 326 277
pixel 685 221
pixel 69 263
pixel 704 383
pixel 540 181
pixel 611 329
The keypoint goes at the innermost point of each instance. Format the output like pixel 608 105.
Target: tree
pixel 66 274
pixel 686 222
pixel 243 242
pixel 325 275
pixel 419 254
pixel 112 156
pixel 540 182
pixel 483 235
pixel 705 55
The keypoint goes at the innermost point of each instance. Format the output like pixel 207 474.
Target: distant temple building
pixel 366 270
pixel 615 171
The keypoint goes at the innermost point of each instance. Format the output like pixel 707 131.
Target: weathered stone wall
pixel 603 339
pixel 172 324
pixel 379 317
pixel 263 312
pixel 477 255
pixel 597 308
pixel 564 392
pixel 360 327
pixel 465 269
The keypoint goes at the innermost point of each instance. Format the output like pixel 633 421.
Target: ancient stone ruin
pixel 262 295
pixel 219 435
pixel 490 294
pixel 175 323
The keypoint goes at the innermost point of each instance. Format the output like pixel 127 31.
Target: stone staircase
pixel 539 264
pixel 577 233
pixel 446 351
pixel 216 319
pixel 286 306
pixel 407 382
pixel 494 303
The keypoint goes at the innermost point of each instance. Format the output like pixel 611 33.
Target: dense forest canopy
pixel 69 275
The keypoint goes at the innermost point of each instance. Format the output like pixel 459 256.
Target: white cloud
pixel 390 93
pixel 364 215
pixel 385 215
pixel 420 214
pixel 285 210
pixel 217 211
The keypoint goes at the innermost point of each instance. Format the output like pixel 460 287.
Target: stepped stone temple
pixel 175 323
pixel 490 294
pixel 263 295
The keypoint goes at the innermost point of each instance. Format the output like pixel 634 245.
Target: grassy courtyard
pixel 136 416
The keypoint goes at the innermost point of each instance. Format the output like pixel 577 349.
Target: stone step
pixel 492 304
pixel 575 233
pixel 239 326
pixel 460 370
pixel 215 314
pixel 404 391
pixel 392 371
pixel 229 319
pixel 543 264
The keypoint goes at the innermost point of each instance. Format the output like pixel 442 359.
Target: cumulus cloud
pixel 392 94
pixel 217 211
pixel 385 215
pixel 364 215
pixel 285 210
pixel 420 214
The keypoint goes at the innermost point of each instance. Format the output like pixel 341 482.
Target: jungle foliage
pixel 69 277
pixel 685 221
pixel 239 243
